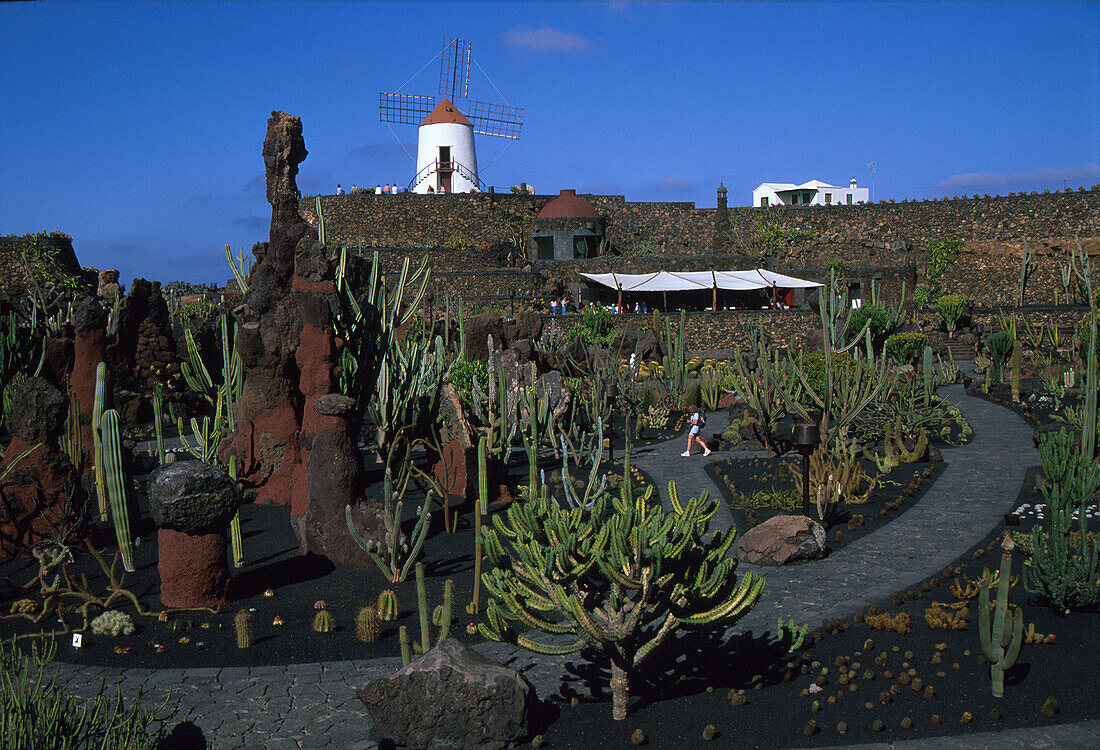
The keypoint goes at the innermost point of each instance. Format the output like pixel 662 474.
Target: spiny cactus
pixel 597 569
pixel 387 605
pixel 1001 642
pixel 242 623
pixel 97 438
pixel 368 625
pixel 442 617
pixel 322 621
pixel 235 524
pixel 1017 353
pixel 396 545
pixel 116 486
pixel 481 506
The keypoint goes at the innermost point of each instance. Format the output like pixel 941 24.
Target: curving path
pixel 314 705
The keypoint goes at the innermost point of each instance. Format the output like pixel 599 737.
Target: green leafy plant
pixel 902 347
pixel 999 345
pixel 951 308
pixel 872 317
pixel 595 328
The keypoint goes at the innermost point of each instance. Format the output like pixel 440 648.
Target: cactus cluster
pixel 399 556
pixel 597 569
pixel 387 605
pixel 440 617
pixel 116 486
pixel 895 449
pixel 898 623
pixel 323 621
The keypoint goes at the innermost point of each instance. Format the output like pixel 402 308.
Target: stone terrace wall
pixel 677 235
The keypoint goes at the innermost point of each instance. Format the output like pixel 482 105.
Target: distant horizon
pixel 136 128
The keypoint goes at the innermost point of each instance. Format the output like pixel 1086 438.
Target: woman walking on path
pixel 696 421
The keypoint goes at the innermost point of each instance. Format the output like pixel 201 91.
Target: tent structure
pixel 684 281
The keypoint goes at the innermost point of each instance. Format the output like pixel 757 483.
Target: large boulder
pixel 633 339
pixel 193 498
pixel 38 411
pixel 451 697
pixel 782 539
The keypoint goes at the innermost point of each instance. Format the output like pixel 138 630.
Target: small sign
pixel 78 640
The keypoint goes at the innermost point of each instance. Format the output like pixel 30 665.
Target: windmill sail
pixel 454 69
pixel 404 109
pixel 499 120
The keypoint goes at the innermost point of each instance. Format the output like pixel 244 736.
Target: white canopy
pixel 679 281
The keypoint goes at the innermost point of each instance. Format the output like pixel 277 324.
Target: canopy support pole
pixel 714 292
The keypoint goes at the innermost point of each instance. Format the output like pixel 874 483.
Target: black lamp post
pixel 806 436
pixel 612 394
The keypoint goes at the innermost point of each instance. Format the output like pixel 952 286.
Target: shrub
pixel 813 368
pixel 458 242
pixel 902 347
pixel 462 374
pixel 113 622
pixel 596 327
pixel 879 320
pixel 951 308
pixel 999 345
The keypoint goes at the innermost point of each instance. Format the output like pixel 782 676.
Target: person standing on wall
pixel 696 421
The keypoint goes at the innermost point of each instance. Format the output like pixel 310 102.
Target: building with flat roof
pixel 812 193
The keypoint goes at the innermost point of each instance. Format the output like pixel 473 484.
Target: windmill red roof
pixel 567 206
pixel 445 112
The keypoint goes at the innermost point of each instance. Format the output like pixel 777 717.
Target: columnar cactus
pixel 97 438
pixel 116 487
pixel 387 605
pixel 1017 354
pixel 1001 643
pixel 621 576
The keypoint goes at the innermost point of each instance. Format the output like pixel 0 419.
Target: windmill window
pixel 828 198
pixel 849 199
pixel 764 201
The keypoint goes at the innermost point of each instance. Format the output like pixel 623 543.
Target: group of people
pixel 557 308
pixel 386 189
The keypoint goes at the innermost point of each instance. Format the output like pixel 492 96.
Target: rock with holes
pixel 782 539
pixel 451 697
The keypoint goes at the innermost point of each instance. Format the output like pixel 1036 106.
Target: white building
pixel 812 193
pixel 446 161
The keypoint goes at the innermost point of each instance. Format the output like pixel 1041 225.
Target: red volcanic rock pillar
pixel 90 325
pixel 193 569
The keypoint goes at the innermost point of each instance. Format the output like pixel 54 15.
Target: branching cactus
pixel 116 487
pixel 675 359
pixel 1001 643
pixel 399 557
pixel 620 577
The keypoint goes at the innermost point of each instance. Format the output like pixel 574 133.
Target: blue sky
pixel 137 128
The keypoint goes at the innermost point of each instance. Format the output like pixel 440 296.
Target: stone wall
pixel 14 280
pixel 676 236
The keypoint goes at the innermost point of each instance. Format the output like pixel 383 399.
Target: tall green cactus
pixel 620 577
pixel 1025 262
pixel 158 423
pixel 928 375
pixel 97 438
pixel 116 486
pixel 235 524
pixel 1001 643
pixel 1017 356
pixel 674 359
pixel 443 613
pixel 535 402
pixel 481 507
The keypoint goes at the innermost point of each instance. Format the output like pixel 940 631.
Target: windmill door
pixel 445 169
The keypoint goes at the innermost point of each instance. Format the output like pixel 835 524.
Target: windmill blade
pixel 500 120
pixel 404 109
pixel 454 69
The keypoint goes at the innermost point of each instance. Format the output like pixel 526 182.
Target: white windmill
pixel 446 160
